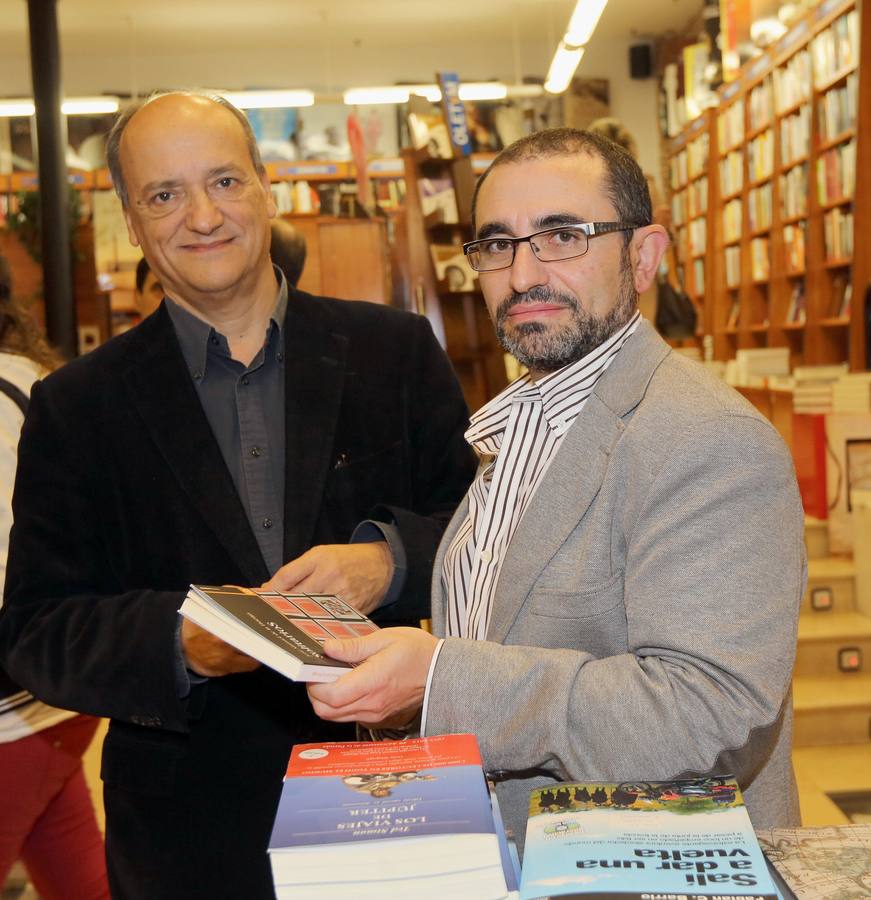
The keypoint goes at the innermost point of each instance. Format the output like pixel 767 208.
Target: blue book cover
pixel 386 812
pixel 690 839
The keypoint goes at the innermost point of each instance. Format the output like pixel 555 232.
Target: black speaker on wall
pixel 640 61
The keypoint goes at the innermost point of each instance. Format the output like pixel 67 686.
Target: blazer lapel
pixel 160 389
pixel 315 374
pixel 575 475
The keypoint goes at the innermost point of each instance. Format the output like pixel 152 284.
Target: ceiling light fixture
pixel 72 106
pixel 376 95
pixel 571 48
pixel 562 68
pixel 472 90
pixel 269 99
pixel 583 22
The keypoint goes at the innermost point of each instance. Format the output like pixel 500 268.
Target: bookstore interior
pixel 751 120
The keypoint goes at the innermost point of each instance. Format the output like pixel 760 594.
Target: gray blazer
pixel 645 618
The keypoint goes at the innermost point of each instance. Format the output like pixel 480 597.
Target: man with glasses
pixel 617 596
pixel 240 433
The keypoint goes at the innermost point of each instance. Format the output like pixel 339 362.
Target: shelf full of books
pixel 786 191
pixel 693 195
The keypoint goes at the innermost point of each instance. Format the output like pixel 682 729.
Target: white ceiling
pixel 130 46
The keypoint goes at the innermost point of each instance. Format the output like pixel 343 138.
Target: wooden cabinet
pixel 345 258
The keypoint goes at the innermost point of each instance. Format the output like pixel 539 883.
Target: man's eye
pixel 497 247
pixel 565 238
pixel 162 197
pixel 226 182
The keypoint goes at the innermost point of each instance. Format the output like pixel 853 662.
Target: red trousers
pixel 46 816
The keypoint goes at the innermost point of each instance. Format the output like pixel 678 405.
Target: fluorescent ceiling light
pixel 93 106
pixel 269 99
pixel 473 90
pixel 73 106
pixel 485 90
pixel 10 108
pixel 562 68
pixel 583 22
pixel 376 95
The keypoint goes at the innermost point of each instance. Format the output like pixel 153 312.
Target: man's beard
pixel 543 348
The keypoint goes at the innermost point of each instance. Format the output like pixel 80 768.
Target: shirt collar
pixel 194 334
pixel 560 393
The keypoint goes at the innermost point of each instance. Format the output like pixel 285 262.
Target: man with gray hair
pixel 242 434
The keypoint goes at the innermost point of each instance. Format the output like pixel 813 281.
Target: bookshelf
pixel 693 195
pixel 787 189
pixel 456 312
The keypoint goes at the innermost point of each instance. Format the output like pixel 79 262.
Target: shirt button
pixel 267 522
pixel 245 380
pixel 255 452
pixel 198 375
pixel 486 555
pixel 279 357
pixel 214 339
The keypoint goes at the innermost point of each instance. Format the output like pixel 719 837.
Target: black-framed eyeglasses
pixel 550 245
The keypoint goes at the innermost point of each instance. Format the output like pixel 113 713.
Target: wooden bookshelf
pixel 789 184
pixel 693 195
pixel 459 317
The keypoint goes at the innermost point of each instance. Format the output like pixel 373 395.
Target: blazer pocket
pixel 137 760
pixel 578 604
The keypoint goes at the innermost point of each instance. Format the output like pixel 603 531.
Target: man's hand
pixel 358 573
pixel 210 656
pixel 387 688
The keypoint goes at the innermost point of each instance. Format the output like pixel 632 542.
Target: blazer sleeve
pixel 441 465
pixel 67 631
pixel 713 577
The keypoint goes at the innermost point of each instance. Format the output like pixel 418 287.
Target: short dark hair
pixel 625 183
pixel 288 249
pixel 113 142
pixel 142 270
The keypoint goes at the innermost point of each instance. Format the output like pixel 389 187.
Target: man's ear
pixel 648 247
pixel 271 208
pixel 131 228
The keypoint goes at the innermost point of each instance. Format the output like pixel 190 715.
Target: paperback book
pixel 689 838
pixel 283 631
pixel 387 819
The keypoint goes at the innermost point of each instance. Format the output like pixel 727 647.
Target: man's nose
pixel 203 214
pixel 527 270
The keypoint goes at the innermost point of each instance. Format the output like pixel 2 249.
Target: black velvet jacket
pixel 122 500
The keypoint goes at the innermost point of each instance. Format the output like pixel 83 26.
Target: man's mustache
pixel 538 294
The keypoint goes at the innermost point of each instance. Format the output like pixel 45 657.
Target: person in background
pixel 244 433
pixel 287 250
pixel 46 815
pixel 617 596
pixel 149 290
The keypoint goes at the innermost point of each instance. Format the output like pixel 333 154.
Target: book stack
pixel 409 819
pixel 284 631
pixel 754 365
pixel 689 838
pixel 852 393
pixel 812 393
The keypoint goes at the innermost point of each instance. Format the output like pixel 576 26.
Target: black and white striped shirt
pixel 520 431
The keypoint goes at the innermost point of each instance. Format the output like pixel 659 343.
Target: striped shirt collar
pixel 561 393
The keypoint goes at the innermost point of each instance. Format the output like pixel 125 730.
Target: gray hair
pixel 113 142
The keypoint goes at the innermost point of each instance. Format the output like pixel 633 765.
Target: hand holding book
pixel 209 656
pixel 387 685
pixel 358 573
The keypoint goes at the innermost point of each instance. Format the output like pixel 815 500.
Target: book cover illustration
pixel 392 813
pixel 283 630
pixel 689 838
